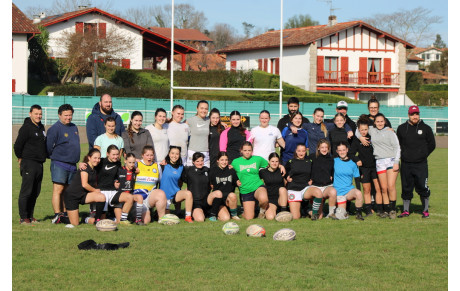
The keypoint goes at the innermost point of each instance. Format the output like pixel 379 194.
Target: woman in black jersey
pixel 223 183
pixel 338 134
pixel 322 174
pixel 276 190
pixel 197 179
pixel 82 189
pixel 298 170
pixel 232 139
pixel 366 163
pixel 215 129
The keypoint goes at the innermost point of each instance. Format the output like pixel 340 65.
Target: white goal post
pixel 280 90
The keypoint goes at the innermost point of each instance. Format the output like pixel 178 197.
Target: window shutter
pixel 362 74
pixel 320 69
pixel 126 63
pixel 344 69
pixel 277 66
pixel 14 85
pixel 102 30
pixel 79 27
pixel 387 71
pixel 266 65
pixel 260 65
pixel 233 66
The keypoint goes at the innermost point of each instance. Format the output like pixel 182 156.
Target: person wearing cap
pixel 342 107
pixel 417 142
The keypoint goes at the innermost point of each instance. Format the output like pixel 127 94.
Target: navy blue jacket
pixel 315 133
pixel 292 140
pixel 63 143
pixel 95 124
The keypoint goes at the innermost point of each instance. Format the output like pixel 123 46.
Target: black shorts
pixel 368 174
pixel 116 200
pixel 202 204
pixel 71 200
pixel 250 196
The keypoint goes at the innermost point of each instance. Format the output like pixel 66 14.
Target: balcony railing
pixel 358 78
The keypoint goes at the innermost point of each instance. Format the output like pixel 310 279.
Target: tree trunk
pixel 66 76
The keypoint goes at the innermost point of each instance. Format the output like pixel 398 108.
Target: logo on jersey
pixel 201 125
pixel 420 131
pixel 109 168
pixel 154 170
pixel 248 167
pixel 66 134
pixel 224 180
pixel 206 174
pixel 291 196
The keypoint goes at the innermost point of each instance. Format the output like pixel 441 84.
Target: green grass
pixel 408 253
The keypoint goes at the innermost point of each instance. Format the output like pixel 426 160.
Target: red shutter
pixel 79 27
pixel 387 71
pixel 320 69
pixel 266 65
pixel 344 70
pixel 362 74
pixel 14 85
pixel 126 63
pixel 260 65
pixel 233 66
pixel 102 30
pixel 277 66
pixel 272 64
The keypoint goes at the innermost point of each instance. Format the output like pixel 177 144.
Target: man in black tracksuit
pixel 293 106
pixel 30 149
pixel 417 143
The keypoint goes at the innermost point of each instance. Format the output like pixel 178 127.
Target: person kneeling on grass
pixel 298 171
pixel 223 183
pixel 274 181
pixel 146 192
pixel 82 189
pixel 344 171
pixel 197 179
pixel 171 183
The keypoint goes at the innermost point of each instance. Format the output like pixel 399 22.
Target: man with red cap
pixel 417 142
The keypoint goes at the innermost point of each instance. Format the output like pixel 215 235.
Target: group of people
pixel 318 161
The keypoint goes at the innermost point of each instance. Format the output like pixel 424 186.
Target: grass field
pixel 378 254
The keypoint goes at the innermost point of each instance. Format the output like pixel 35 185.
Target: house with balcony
pixel 147 44
pixel 352 59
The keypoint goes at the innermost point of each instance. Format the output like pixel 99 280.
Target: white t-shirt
pixel 160 141
pixel 264 140
pixel 178 134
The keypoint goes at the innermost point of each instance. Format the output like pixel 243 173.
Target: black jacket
pixel 336 136
pixel 416 141
pixel 283 122
pixel 31 142
pixel 366 153
pixel 322 169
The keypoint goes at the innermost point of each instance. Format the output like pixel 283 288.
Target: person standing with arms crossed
pixel 63 146
pixel 30 149
pixel 417 142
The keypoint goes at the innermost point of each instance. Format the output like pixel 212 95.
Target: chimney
pixel 42 15
pixel 332 20
pixel 81 7
pixel 36 19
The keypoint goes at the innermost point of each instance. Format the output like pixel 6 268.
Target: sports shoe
pixel 384 214
pixel 212 218
pixel 392 214
pixel 57 218
pixel 332 216
pixel 125 222
pixel 315 217
pixel 70 226
pixel 139 222
pixel 34 220
pixel 369 214
pixel 188 219
pixel 425 214
pixel 404 214
pixel 24 221
pixel 236 217
pixel 341 213
pixel 359 216
pixel 261 215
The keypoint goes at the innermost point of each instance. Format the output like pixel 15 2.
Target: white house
pixel 431 54
pixel 147 44
pixel 353 59
pixel 22 31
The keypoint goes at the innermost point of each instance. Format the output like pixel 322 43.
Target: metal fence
pixel 50 116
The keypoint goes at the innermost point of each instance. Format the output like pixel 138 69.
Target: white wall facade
pixel 59 30
pixel 412 66
pixel 20 62
pixel 428 56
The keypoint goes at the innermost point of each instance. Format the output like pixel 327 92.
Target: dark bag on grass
pixel 92 245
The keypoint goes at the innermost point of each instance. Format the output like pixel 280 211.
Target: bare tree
pixel 63 6
pixel 413 26
pixel 79 48
pixel 248 27
pixel 223 35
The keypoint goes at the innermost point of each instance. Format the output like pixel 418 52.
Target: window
pixel 331 68
pixel 373 69
pixel 91 28
pixel 438 57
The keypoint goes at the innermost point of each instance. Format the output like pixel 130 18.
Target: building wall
pixel 59 31
pixel 412 66
pixel 20 61
pixel 431 55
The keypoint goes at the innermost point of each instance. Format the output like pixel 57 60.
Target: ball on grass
pixel 255 230
pixel 169 219
pixel 231 228
pixel 106 225
pixel 284 234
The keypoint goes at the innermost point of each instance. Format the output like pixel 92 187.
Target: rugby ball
pixel 106 225
pixel 231 228
pixel 255 230
pixel 169 219
pixel 283 216
pixel 284 234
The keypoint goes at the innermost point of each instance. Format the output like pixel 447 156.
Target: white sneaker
pixel 341 213
pixel 70 226
pixel 236 217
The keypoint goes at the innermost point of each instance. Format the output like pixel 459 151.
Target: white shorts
pixel 342 199
pixel 190 156
pixel 296 196
pixel 383 165
pixel 322 188
pixel 108 198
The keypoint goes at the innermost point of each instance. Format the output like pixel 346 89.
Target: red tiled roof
pixel 22 24
pixel 181 34
pixel 431 76
pixel 412 57
pixel 300 36
pixel 419 50
pixel 50 20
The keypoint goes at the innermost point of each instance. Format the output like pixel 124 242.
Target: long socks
pixel 406 204
pixel 316 204
pixel 393 205
pixel 99 210
pixel 425 201
pixel 234 212
pixel 215 206
pixel 139 211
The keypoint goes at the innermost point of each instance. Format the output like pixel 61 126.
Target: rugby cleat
pixel 188 219
pixel 425 214
pixel 404 214
pixel 24 221
pixel 392 214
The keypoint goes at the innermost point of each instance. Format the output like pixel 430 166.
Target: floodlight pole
pixel 171 93
pixel 95 54
pixel 281 60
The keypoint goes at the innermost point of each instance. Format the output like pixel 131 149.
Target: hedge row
pixel 87 90
pixel 414 80
pixel 429 98
pixel 434 87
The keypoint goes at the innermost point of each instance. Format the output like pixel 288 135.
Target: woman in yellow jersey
pixel 146 184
